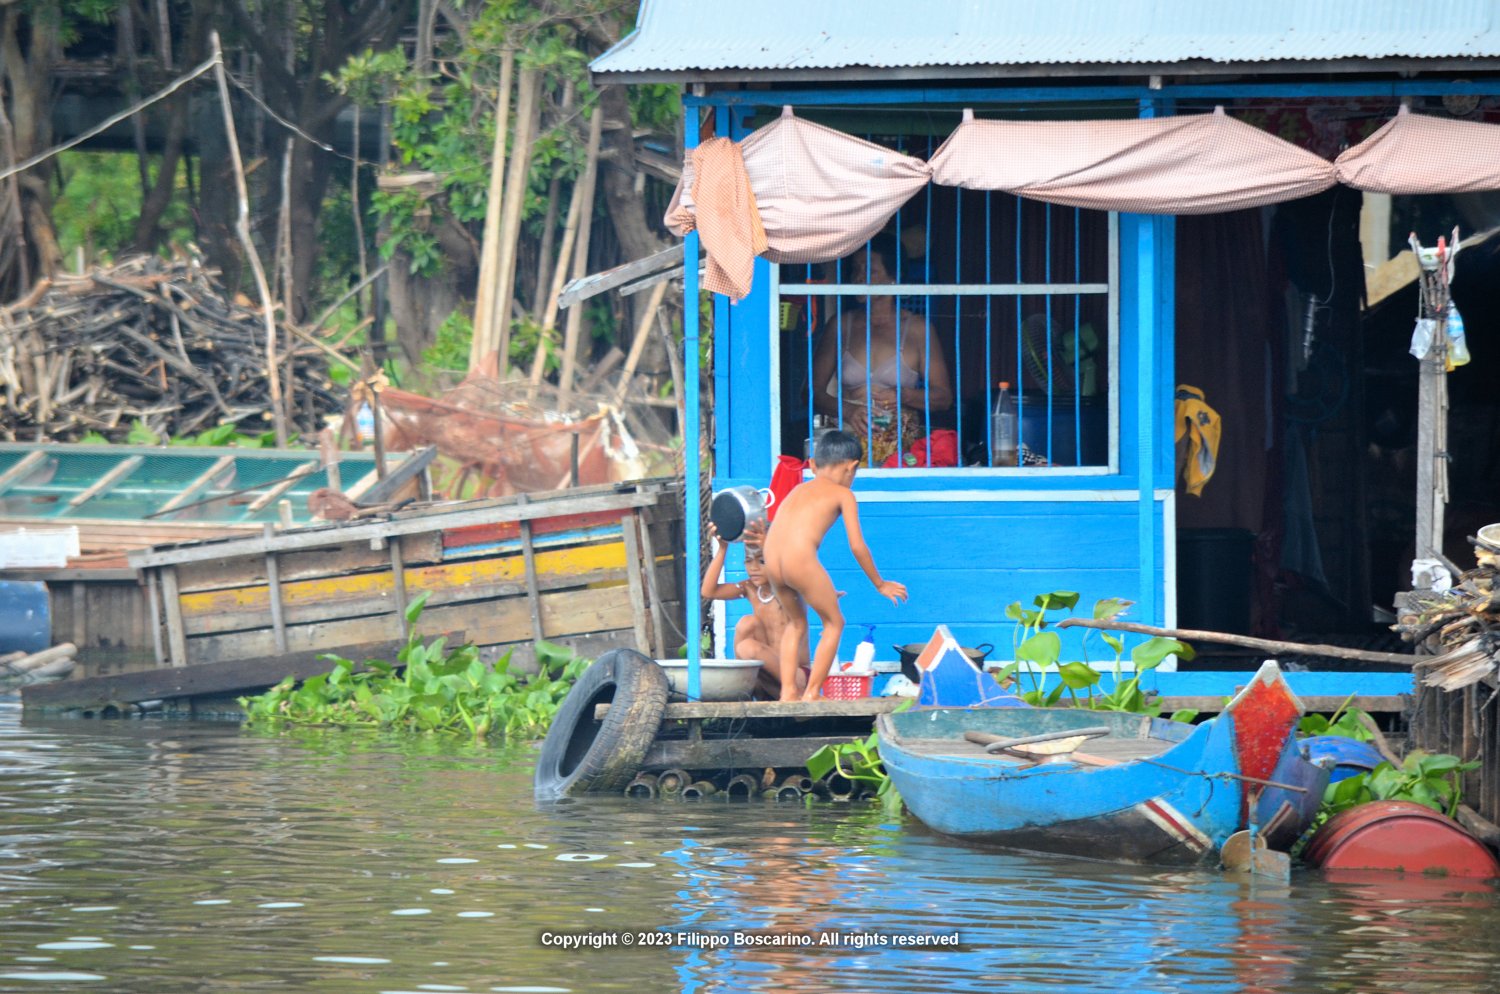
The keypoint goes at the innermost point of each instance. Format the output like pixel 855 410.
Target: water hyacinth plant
pixel 430 689
pixel 1041 648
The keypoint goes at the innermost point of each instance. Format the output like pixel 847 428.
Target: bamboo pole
pixel 242 228
pixel 549 222
pixel 559 275
pixel 1265 645
pixel 638 346
pixel 527 109
pixel 488 259
pixel 580 258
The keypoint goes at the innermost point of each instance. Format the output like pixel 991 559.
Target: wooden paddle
pixel 1042 744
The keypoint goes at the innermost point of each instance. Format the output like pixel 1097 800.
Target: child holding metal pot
pixel 758 634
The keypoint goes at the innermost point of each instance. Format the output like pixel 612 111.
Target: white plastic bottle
pixel 864 653
pixel 1003 429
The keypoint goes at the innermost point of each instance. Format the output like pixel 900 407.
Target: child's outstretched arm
pixel 887 588
pixel 712 589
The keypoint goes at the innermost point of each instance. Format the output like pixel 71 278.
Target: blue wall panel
pixel 963 562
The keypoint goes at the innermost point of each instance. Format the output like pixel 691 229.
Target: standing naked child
pixel 758 634
pixel 791 558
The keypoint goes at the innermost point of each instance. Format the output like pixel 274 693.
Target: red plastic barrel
pixel 1401 836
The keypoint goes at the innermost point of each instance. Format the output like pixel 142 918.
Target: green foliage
pixel 1043 650
pixel 227 434
pixel 450 347
pixel 434 690
pixel 98 203
pixel 1349 722
pixel 1431 779
pixel 858 760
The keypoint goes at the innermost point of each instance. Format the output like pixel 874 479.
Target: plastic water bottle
pixel 1458 345
pixel 1003 434
pixel 864 653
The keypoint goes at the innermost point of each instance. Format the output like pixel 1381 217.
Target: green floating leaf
pixel 1150 653
pixel 1078 676
pixel 1042 649
pixel 1058 598
pixel 1111 607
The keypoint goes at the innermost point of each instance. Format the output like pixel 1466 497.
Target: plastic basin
pixel 719 679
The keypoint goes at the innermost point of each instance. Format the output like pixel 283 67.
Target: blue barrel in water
pixel 25 621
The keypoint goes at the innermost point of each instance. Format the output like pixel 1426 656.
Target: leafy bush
pixel 862 757
pixel 1429 778
pixel 434 689
pixel 1043 649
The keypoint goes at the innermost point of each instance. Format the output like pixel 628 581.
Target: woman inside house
pixel 875 373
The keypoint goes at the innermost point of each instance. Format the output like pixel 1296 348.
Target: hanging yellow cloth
pixel 1197 436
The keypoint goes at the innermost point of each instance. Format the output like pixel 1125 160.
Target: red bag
pixel 788 474
pixel 938 449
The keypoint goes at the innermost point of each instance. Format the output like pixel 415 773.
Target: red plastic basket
pixel 847 686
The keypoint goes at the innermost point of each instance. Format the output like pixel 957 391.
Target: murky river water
pixel 161 856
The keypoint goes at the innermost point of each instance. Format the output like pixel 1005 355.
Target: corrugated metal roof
pixel 722 38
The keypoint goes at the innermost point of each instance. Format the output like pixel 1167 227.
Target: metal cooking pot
pixel 736 508
pixel 912 650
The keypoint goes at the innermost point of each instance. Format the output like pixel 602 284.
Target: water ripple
pixel 150 855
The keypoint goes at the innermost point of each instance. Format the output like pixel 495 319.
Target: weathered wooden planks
pixel 352 594
pixel 566 612
pixel 333 560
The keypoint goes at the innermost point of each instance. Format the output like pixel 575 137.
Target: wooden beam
pixel 592 285
pixel 116 473
pixel 243 675
pixel 172 609
pixel 1395 703
pixel 282 487
pixel 400 524
pixel 533 596
pixel 634 580
pixel 863 707
pixel 399 477
pixel 27 463
pixel 194 488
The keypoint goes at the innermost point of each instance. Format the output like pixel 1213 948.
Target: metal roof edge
pixel 1035 71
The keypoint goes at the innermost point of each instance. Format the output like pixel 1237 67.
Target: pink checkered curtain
pixel 1416 153
pixel 1199 164
pixel 823 193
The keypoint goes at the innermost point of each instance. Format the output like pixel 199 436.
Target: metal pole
pixel 690 431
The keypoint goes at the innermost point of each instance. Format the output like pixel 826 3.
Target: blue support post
pixel 692 470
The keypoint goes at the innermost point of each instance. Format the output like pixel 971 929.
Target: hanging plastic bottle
pixel 1458 345
pixel 864 653
pixel 1004 436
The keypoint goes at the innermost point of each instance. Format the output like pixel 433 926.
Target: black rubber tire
pixel 581 754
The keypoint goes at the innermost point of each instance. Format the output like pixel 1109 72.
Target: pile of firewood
pixel 151 341
pixel 1460 626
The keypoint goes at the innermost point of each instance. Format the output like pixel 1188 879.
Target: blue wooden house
pixel 1094 316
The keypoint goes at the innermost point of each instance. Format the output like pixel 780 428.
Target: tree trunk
pixel 27 85
pixel 617 176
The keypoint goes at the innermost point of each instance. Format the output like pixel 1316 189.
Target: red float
pixel 1400 836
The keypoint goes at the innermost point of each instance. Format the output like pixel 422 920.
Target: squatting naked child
pixel 757 635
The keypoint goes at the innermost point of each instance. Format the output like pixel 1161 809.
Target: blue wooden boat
pixel 1106 784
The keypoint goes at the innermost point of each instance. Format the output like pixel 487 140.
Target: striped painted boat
pixel 1109 785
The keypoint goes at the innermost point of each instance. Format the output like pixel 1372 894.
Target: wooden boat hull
pixel 1151 791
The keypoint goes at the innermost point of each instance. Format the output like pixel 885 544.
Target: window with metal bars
pixel 905 342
